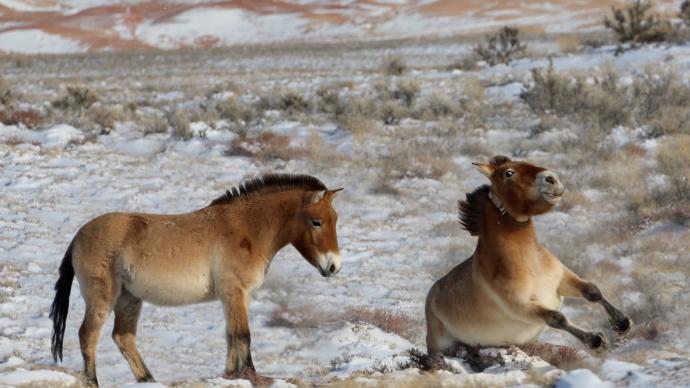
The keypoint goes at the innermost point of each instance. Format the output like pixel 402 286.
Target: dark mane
pixel 471 210
pixel 281 181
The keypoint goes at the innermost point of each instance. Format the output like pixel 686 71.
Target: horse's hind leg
pixel 127 310
pixel 99 298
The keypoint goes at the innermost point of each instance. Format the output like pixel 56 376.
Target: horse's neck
pixel 504 238
pixel 265 219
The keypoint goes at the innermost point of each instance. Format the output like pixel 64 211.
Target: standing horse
pixel 221 251
pixel 511 288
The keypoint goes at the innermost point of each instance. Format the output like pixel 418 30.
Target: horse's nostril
pixel 331 269
pixel 550 180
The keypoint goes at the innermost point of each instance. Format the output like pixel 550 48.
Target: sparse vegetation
pixel 501 47
pixel 394 66
pixel 76 99
pixel 636 24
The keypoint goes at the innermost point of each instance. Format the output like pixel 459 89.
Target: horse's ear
pixel 314 197
pixel 330 194
pixel 499 160
pixel 486 169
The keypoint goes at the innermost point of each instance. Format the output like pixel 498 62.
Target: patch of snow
pixel 581 378
pixel 32 41
pixel 22 377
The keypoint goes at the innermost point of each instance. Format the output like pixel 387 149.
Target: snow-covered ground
pixel 393 246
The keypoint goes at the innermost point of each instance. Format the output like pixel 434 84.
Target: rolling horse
pixel 221 251
pixel 511 288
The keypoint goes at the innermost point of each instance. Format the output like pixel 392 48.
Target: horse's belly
pixel 502 333
pixel 171 288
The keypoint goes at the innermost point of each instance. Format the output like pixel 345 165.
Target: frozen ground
pixel 393 245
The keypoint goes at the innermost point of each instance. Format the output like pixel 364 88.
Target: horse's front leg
pixel 573 286
pixel 238 364
pixel 239 359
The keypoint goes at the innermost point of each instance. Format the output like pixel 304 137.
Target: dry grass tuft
pixel 265 146
pixel 392 322
pixel 673 160
pixel 563 357
pixel 179 122
pixel 76 99
pixel 394 66
pixel 30 118
pixel 569 43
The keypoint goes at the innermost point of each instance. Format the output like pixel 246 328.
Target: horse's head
pixel 315 236
pixel 523 189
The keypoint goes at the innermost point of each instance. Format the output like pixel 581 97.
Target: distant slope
pixel 54 26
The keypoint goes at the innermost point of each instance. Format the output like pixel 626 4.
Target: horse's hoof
pixel 251 375
pixel 599 343
pixel 623 326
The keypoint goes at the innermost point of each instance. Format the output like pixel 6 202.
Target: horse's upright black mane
pixel 280 181
pixel 471 210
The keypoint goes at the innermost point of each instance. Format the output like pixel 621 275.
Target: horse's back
pixel 163 259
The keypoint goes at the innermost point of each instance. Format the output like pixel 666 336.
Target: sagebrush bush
pixel 329 101
pixel 232 109
pixel 437 105
pixel 501 47
pixel 265 146
pixel 406 91
pixel 76 99
pixel 292 102
pixel 153 123
pixel 394 66
pixel 103 117
pixel 635 24
pixel 179 122
pixel 684 13
pixel 602 104
pixel 673 159
pixel 7 97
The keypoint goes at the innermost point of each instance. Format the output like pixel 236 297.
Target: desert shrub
pixel 392 322
pixel 437 105
pixel 30 118
pixel 264 146
pixel 76 99
pixel 501 47
pixel 406 92
pixel 394 66
pixel 673 160
pixel 562 357
pixel 603 104
pixel 7 97
pixel 103 117
pixel 684 13
pixel 329 101
pixel 391 112
pixel 302 317
pixel 232 109
pixel 568 43
pixel 465 63
pixel 358 116
pixel 179 122
pixel 660 99
pixel 635 24
pixel 293 102
pixel 153 123
pixel 472 103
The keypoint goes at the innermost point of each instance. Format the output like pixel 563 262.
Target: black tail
pixel 58 311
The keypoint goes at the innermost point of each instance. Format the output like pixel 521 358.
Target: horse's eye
pixel 316 223
pixel 508 173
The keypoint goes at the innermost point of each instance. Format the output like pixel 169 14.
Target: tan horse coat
pixel 511 288
pixel 220 252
